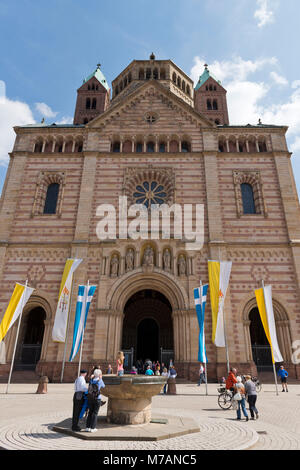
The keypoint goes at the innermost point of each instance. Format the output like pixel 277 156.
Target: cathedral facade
pixel 154 137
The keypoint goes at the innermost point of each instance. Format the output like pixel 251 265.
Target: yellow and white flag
pixel 14 309
pixel 265 307
pixel 64 298
pixel 219 274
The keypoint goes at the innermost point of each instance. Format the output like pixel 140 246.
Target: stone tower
pixel 93 97
pixel 210 98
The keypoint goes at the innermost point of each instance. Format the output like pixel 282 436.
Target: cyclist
pixel 231 379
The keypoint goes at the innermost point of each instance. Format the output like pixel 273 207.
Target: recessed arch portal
pixel 147 324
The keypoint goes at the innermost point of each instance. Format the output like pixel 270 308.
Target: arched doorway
pixel 261 351
pixel 31 339
pixel 148 325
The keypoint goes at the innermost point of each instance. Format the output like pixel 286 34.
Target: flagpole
pixel 16 340
pixel 274 369
pixel 203 335
pixel 66 338
pixel 81 347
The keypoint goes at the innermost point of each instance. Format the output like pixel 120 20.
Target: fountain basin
pixel 130 397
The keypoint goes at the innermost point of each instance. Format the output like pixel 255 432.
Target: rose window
pixel 150 192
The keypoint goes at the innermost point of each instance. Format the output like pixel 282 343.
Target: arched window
pixel 139 147
pixel 185 146
pixel 85 121
pixel 210 88
pixel 51 198
pixel 179 82
pixel 88 103
pixel 155 74
pixel 162 147
pixel 38 147
pixel 148 74
pixel 215 104
pixel 217 121
pixel 174 77
pixel 141 74
pixel 262 146
pixel 150 147
pixel 209 104
pixel 188 90
pixel 162 74
pixel 94 103
pixel 117 90
pixel 248 198
pixel 116 147
pixel 129 77
pixel 183 85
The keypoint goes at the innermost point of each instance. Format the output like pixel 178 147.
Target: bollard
pixel 42 387
pixel 171 386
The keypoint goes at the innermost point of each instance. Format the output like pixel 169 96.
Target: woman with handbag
pixel 239 397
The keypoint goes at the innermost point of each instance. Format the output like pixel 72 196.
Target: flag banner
pixel 64 298
pixel 18 301
pixel 265 307
pixel 200 301
pixel 85 295
pixel 219 274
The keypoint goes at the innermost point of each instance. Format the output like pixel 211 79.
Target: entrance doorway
pixel 261 351
pixel 147 339
pixel 31 339
pixel 147 325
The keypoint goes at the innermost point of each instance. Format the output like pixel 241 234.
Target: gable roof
pixel 115 107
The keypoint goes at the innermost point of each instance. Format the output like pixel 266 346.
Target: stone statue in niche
pixel 114 266
pixel 148 259
pixel 167 260
pixel 129 260
pixel 182 265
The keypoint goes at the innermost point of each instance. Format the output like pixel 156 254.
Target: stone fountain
pixel 130 397
pixel 129 414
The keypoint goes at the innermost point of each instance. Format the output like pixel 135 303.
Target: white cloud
pixel 246 94
pixel 45 110
pixel 66 120
pixel 12 113
pixel 236 69
pixel 263 14
pixel 296 84
pixel 278 78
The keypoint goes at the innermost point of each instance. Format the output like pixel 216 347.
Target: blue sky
pixel 48 47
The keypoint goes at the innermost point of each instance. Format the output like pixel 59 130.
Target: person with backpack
pixel 94 400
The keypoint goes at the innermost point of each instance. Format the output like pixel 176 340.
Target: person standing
pixel 283 374
pixel 80 387
pixel 94 400
pixel 202 377
pixel 120 362
pixel 165 374
pixel 239 390
pixel 109 369
pixel 251 393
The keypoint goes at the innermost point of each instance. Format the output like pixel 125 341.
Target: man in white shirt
pixel 80 388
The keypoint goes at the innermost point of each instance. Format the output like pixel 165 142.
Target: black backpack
pixel 93 391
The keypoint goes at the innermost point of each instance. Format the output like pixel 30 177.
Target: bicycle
pixel 225 398
pixel 258 385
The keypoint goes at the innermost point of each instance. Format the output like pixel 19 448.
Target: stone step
pixel 21 377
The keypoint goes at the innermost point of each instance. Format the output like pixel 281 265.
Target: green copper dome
pixel 100 77
pixel 204 77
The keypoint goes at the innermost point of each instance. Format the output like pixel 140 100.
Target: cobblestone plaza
pixel 26 421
